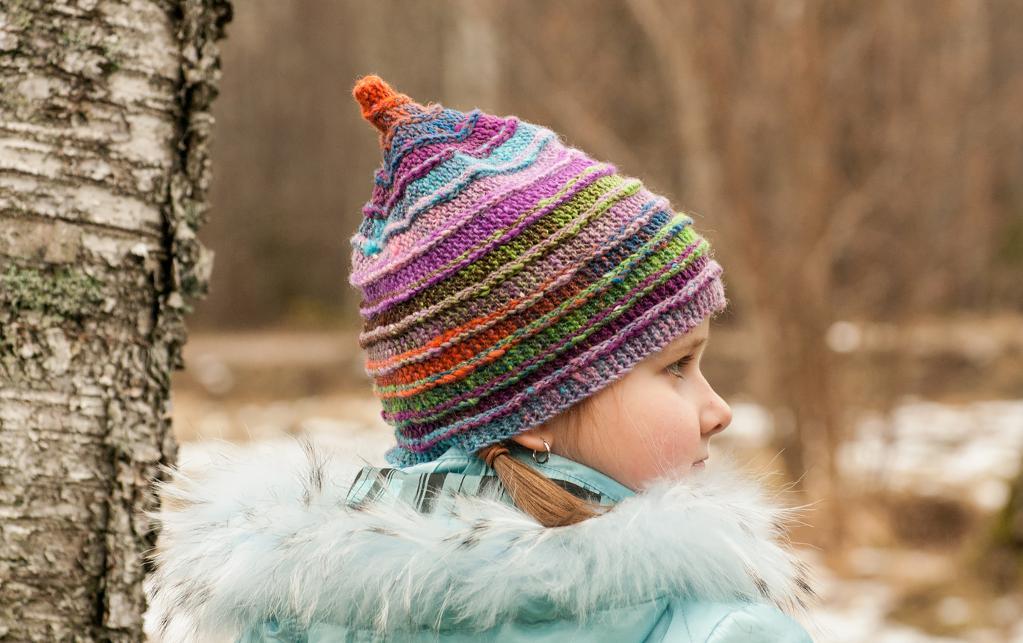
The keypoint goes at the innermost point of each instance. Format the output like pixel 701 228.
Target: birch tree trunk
pixel 104 169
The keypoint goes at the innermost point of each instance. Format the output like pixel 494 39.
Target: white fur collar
pixel 269 533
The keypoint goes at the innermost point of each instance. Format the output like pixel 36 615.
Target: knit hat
pixel 506 276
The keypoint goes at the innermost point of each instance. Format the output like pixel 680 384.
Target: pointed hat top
pixel 381 104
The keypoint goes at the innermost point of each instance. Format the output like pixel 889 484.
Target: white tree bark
pixel 104 130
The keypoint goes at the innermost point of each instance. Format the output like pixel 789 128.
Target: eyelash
pixel 680 363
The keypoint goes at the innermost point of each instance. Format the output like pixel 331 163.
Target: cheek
pixel 649 429
pixel 666 432
pixel 677 431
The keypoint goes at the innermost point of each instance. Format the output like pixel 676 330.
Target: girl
pixel 534 323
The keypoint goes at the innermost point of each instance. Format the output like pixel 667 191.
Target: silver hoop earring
pixel 546 457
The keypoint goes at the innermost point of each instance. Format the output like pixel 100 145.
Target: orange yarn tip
pixel 377 100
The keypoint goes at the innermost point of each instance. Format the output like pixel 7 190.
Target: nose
pixel 717 416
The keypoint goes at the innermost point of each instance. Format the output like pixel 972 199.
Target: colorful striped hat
pixel 505 275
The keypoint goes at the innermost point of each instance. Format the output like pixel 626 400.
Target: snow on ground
pixel 922 447
pixel 937 449
pixel 971 450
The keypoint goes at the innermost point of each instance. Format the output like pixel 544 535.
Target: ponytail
pixel 535 493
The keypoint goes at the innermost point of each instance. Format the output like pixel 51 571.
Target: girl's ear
pixel 533 438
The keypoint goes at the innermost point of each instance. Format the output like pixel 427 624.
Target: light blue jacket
pixel 291 546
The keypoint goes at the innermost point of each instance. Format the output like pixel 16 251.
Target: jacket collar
pixel 562 468
pixel 556 467
pixel 270 534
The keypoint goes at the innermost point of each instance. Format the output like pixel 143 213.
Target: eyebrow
pixel 687 346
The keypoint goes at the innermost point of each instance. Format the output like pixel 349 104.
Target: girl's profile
pixel 534 323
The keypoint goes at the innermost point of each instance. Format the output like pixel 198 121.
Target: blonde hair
pixel 535 493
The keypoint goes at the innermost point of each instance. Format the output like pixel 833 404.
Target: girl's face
pixel 657 420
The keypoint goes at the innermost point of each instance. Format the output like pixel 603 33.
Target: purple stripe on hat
pixel 424 272
pixel 468 214
pixel 489 132
pixel 620 221
pixel 439 222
